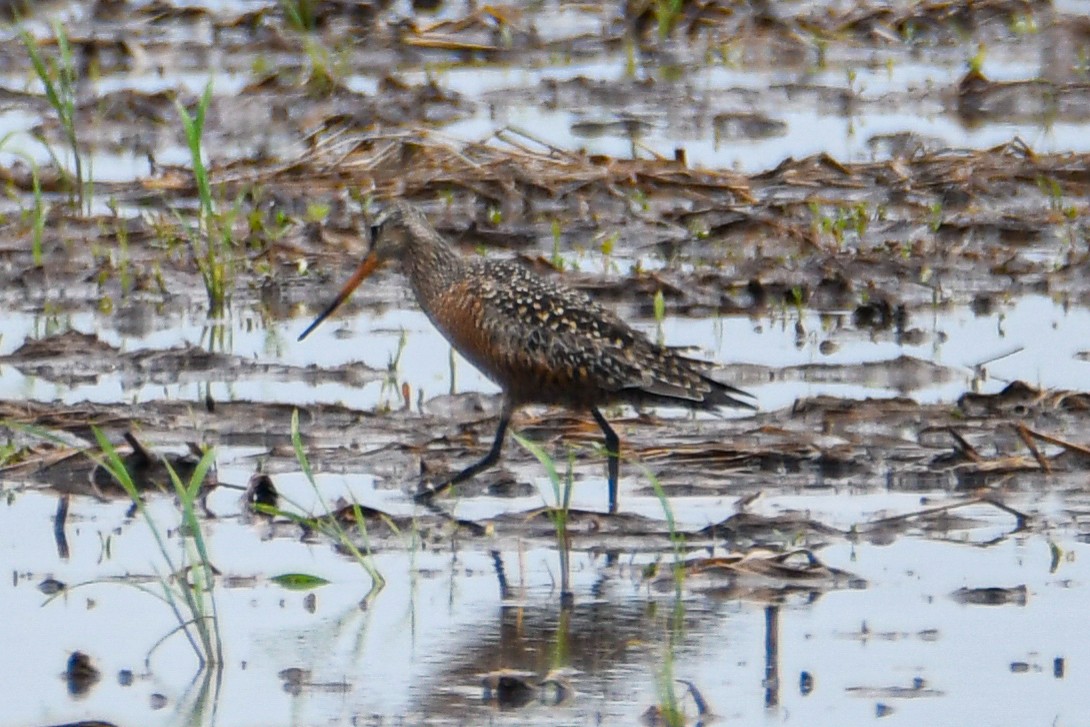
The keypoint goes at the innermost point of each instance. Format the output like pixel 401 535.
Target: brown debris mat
pixel 818 443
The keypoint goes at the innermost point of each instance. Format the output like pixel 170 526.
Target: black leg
pixel 429 491
pixel 613 451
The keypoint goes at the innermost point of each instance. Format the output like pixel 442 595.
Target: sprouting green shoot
pixel 976 62
pixel 40 211
pixel 936 216
pixel 300 14
pixel 59 82
pixel 563 498
pixel 557 259
pixel 667 13
pixel 659 305
pixel 194 130
pixel 317 212
pixel 209 243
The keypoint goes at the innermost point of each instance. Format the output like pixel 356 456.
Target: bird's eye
pixel 374 233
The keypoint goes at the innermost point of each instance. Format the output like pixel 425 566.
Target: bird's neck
pixel 431 265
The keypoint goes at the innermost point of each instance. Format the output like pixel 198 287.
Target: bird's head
pixel 390 236
pixel 393 230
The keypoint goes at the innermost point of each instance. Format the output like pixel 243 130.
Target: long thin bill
pixel 368 266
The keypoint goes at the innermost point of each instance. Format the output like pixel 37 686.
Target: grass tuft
pixel 189 590
pixel 210 242
pixel 59 81
pixel 332 526
pixel 188 586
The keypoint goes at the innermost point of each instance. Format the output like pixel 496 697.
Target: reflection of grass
pixel 59 82
pixel 562 490
pixel 390 382
pixel 189 589
pixel 669 710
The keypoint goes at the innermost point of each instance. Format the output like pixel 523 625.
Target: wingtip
pixel 738 403
pixel 727 395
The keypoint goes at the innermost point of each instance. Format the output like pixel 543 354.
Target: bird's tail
pixel 681 381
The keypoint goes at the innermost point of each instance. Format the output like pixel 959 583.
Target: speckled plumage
pixel 539 340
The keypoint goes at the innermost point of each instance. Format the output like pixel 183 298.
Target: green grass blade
pixel 298 581
pixel 677 539
pixel 546 461
pixel 335 529
pixel 202 587
pixel 190 613
pixel 61 95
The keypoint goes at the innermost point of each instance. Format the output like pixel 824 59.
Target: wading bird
pixel 540 341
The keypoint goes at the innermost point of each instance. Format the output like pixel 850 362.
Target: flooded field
pixel 871 216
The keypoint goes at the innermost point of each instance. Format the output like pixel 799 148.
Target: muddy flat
pixel 871 216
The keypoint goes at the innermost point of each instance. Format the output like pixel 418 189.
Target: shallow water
pixel 898 645
pixel 1034 339
pixel 893 636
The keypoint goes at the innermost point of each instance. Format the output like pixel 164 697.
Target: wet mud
pixel 874 217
